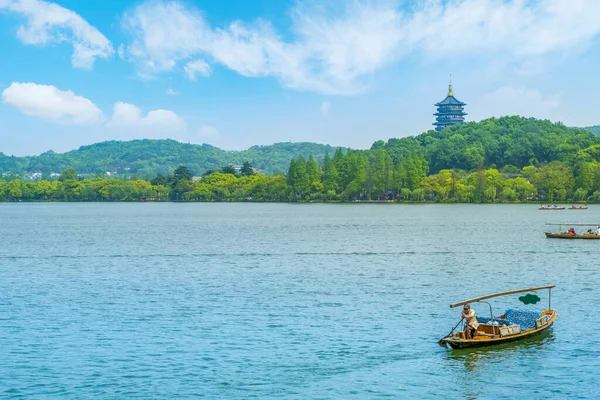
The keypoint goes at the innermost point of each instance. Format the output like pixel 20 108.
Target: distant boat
pixel 512 325
pixel 574 207
pixel 148 198
pixel 549 207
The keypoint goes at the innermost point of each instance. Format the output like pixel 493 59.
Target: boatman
pixel 472 324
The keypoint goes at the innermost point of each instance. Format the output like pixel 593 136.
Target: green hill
pixel 508 142
pixel 147 158
pixel 494 142
pixel 593 129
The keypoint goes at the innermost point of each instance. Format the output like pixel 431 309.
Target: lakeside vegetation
pixel 509 159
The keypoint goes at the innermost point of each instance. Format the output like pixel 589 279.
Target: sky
pixel 238 73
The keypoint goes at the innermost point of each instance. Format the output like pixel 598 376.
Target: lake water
pixel 167 300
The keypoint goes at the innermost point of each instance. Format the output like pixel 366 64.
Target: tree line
pixel 509 159
pixel 351 176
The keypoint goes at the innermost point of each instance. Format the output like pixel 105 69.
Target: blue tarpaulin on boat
pixel 525 318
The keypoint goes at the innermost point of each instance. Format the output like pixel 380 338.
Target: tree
pixel 378 173
pixel 330 175
pixel 298 178
pixel 15 189
pixel 247 169
pixel 183 186
pixel 524 190
pixel 411 171
pixel 182 172
pixel 160 180
pixel 181 182
pixel 312 169
pixel 3 186
pixel 584 176
pixel 554 180
pixel 228 169
pixel 353 174
pixel 69 174
pixel 378 145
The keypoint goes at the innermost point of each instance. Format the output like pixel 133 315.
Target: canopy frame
pixel 489 296
pixel 567 224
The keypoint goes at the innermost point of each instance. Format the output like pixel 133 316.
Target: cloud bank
pixel 51 104
pixel 129 117
pixel 335 51
pixel 64 107
pixel 47 23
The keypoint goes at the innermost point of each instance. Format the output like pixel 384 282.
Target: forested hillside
pixel 495 142
pixel 509 159
pixel 593 129
pixel 147 158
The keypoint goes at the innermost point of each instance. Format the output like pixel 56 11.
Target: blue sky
pixel 238 73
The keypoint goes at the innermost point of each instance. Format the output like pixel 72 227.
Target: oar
pixel 441 341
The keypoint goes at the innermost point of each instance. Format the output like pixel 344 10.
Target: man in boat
pixel 572 232
pixel 598 231
pixel 472 324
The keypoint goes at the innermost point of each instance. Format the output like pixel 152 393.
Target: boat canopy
pixel 489 296
pixel 574 224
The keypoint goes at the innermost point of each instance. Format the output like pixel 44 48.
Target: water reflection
pixel 470 364
pixel 475 359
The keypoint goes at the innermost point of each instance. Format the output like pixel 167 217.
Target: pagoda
pixel 450 111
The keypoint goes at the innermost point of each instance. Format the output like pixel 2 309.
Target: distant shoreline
pixel 537 204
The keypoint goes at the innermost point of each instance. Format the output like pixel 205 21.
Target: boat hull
pixel 457 343
pixel 567 236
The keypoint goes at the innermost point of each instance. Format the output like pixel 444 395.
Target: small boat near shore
pixel 574 207
pixel 511 326
pixel 551 207
pixel 146 199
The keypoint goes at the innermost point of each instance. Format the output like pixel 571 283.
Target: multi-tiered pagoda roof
pixel 450 111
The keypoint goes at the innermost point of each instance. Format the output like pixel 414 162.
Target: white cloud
pixel 510 100
pixel 150 22
pixel 336 52
pixel 325 106
pixel 49 103
pixel 171 92
pixel 127 121
pixel 50 23
pixel 157 123
pixel 200 67
pixel 517 28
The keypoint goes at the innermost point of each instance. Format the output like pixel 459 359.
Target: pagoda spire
pixel 450 87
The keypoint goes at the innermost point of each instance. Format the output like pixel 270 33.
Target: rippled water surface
pixel 286 301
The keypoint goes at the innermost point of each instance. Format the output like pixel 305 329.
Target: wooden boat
pixel 574 207
pixel 563 235
pixel 497 331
